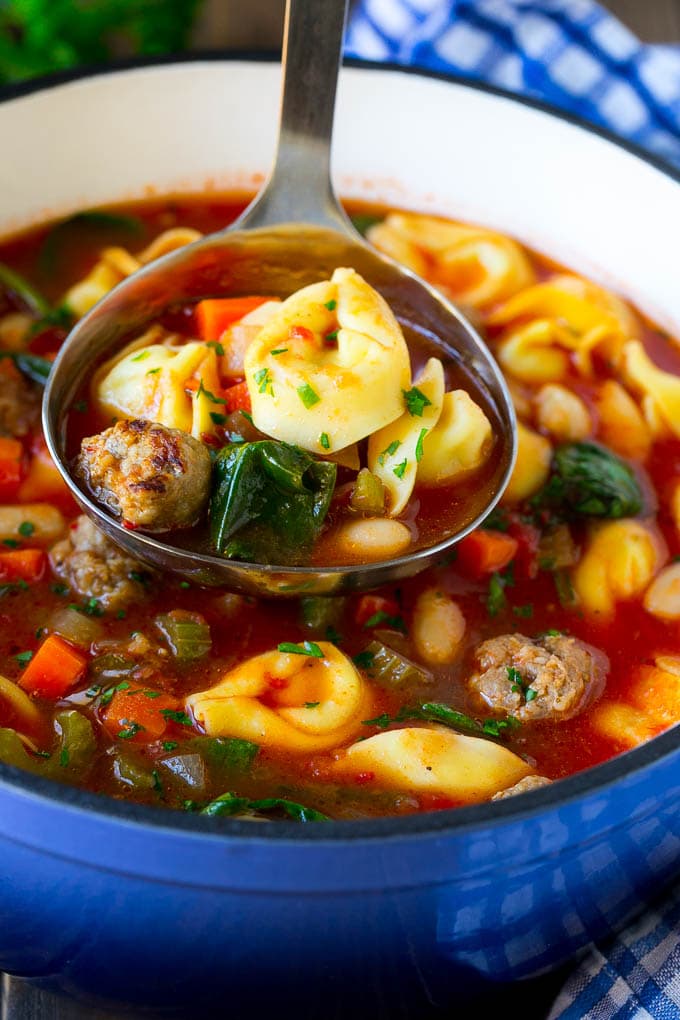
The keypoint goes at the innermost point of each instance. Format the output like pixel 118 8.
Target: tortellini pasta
pixel 115 264
pixel 294 702
pixel 171 385
pixel 661 389
pixel 460 441
pixel 476 266
pixel 531 470
pixel 329 367
pixel 435 760
pixel 621 423
pixel 396 451
pixel 619 561
pixel 564 315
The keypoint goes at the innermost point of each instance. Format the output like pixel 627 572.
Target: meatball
pixel 19 405
pixel 153 477
pixel 547 678
pixel 94 567
pixel 524 785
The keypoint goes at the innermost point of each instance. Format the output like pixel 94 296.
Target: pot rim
pixel 437 823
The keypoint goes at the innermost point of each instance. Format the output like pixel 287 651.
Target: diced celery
pixel 390 669
pixel 319 613
pixel 368 494
pixel 187 634
pixel 77 745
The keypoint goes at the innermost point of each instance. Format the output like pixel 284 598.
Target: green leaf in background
pixel 42 36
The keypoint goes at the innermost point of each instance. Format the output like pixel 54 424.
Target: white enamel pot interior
pixel 402 138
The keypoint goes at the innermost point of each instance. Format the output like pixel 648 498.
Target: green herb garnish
pixel 307 395
pixel 306 648
pixel 416 401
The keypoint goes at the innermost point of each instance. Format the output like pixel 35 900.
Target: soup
pixel 546 644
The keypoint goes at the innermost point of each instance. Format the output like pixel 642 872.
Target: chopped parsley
pixel 306 648
pixel 364 660
pixel 524 612
pixel 120 615
pixel 179 717
pixel 26 528
pixel 332 337
pixel 141 356
pixel 80 406
pixel 184 584
pixel 157 785
pixel 381 721
pixel 24 657
pixel 396 622
pixel 419 445
pixel 495 599
pixel 217 418
pixel 263 381
pixel 130 729
pixel 169 745
pixel 248 417
pixel 201 391
pixel 389 451
pixel 152 371
pixel 324 441
pixel 307 395
pixel 400 469
pixel 279 350
pixel 217 347
pixel 518 686
pixel 12 543
pixel 58 588
pixel 331 305
pixel 416 402
pixel 64 757
pixel 312 704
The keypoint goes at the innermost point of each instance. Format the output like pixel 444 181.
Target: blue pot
pixel 118 902
pixel 115 902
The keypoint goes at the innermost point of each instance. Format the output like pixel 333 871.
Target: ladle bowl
pixel 293 234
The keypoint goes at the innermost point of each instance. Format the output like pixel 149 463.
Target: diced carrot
pixel 369 606
pixel 22 565
pixel 54 669
pixel 11 467
pixel 238 398
pixel 485 552
pixel 215 315
pixel 43 482
pixel 137 714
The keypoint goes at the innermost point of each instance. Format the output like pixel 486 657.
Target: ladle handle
pixel 299 188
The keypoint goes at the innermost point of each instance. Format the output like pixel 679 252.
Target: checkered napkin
pixel 575 55
pixel 570 53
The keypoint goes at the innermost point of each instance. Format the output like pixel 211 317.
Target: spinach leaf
pixel 230 804
pixel 269 501
pixel 364 221
pixel 95 222
pixel 435 711
pixel 33 366
pixel 589 481
pixel 226 753
pixel 22 288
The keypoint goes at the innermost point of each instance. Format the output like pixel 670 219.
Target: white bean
pixel 437 628
pixel 373 538
pixel 48 522
pixel 662 598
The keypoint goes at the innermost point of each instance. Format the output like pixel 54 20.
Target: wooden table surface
pixel 256 24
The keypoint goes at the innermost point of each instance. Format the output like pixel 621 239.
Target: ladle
pixel 292 234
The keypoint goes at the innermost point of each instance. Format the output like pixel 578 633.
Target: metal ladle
pixel 294 233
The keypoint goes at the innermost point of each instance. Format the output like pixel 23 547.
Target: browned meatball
pixel 153 477
pixel 19 405
pixel 94 567
pixel 524 785
pixel 548 678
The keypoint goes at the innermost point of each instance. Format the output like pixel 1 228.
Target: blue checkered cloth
pixel 570 53
pixel 574 55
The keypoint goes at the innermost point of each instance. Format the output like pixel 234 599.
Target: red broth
pixel 126 655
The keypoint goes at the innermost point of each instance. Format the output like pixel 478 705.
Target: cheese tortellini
pixel 660 389
pixel 532 467
pixel 293 702
pixel 115 264
pixel 167 384
pixel 562 319
pixel 329 367
pixel 620 560
pixel 621 423
pixel 476 266
pixel 395 452
pixel 435 760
